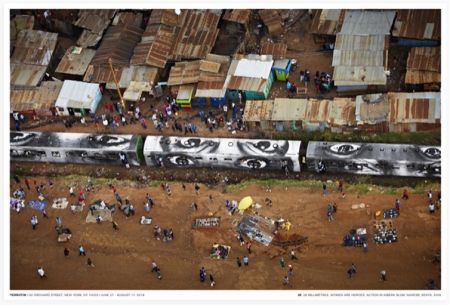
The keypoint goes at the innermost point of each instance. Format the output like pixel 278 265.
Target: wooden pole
pixel 117 84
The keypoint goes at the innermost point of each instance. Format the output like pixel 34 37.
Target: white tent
pixel 77 98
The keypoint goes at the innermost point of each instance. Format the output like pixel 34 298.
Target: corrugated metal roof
pixel 277 50
pixel 75 63
pixel 212 84
pixel 272 19
pixel 285 109
pixel 118 44
pixel 239 16
pixel 135 89
pixel 38 98
pixel 185 92
pixel 20 22
pixel 196 34
pixel 359 76
pixel 357 58
pixel 26 75
pixel 424 65
pixel 361 42
pixel 416 107
pixel 187 72
pixel 342 112
pixel 257 111
pixel 254 67
pixel 418 24
pixel 34 47
pixel 167 17
pixel 327 22
pixel 77 94
pixel 88 39
pixel 102 74
pixel 95 20
pixel 246 83
pixel 372 108
pixel 155 47
pixel 368 22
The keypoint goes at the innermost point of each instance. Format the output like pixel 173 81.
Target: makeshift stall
pixel 206 222
pixel 184 96
pixel 281 69
pixel 355 237
pixel 391 213
pixel 384 232
pixel 219 251
pixel 60 203
pixel 257 228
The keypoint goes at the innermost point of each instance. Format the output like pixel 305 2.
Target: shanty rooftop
pixel 187 72
pixel 415 107
pixel 156 44
pixel 327 22
pixel 257 111
pixel 196 34
pixel 75 61
pixel 418 24
pixel 423 66
pixel 94 22
pixel 213 73
pixel 239 16
pixel 368 22
pixel 272 19
pixel 38 98
pixel 34 47
pixel 277 50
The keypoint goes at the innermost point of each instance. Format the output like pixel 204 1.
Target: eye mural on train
pixel 246 154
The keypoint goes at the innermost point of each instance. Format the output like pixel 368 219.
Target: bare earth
pixel 122 258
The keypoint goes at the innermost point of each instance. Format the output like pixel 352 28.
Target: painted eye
pixel 431 152
pixel 344 149
pixel 189 143
pixel 252 163
pixel 179 160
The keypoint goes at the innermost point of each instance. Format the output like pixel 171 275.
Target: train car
pixel 75 147
pixel 222 152
pixel 374 159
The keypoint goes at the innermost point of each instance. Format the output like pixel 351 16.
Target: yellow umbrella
pixel 245 203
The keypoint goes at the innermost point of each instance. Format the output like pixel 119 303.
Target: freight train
pixel 250 154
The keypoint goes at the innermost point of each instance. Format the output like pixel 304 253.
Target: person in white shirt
pixel 41 272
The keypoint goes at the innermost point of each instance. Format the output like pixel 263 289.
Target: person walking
pixel 90 263
pixel 197 189
pixel 324 189
pixel 430 196
pixel 249 247
pixel 41 272
pixel 329 216
pixel 245 260
pixel 34 222
pixel 405 195
pixel 115 226
pixel 211 279
pixel 431 207
pixel 81 251
pixel 286 280
pixel 238 262
pixel 365 247
pixel 156 269
pixel 290 270
pixel 58 221
pixel 282 262
pixel 44 214
pixel 383 275
pixel 66 252
pixel 183 186
pixel 293 257
pixel 72 191
pixel 202 274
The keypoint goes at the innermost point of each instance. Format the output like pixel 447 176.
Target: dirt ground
pixel 122 258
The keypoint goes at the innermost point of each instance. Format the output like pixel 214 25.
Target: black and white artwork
pixel 222 152
pixel 374 159
pixel 73 147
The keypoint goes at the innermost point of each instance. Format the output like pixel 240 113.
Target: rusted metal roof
pixel 117 44
pixel 372 109
pixel 247 83
pixel 34 47
pixel 257 111
pixel 187 72
pixel 249 73
pixel 20 22
pixel 88 39
pixel 167 17
pixel 239 16
pixel 196 34
pixel 102 74
pixel 342 112
pixel 418 24
pixel 38 98
pixel 285 109
pixel 212 84
pixel 327 22
pixel 277 50
pixel 135 90
pixel 272 19
pixel 155 46
pixel 95 20
pixel 135 74
pixel 75 61
pixel 416 107
pixel 423 66
pixel 22 75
